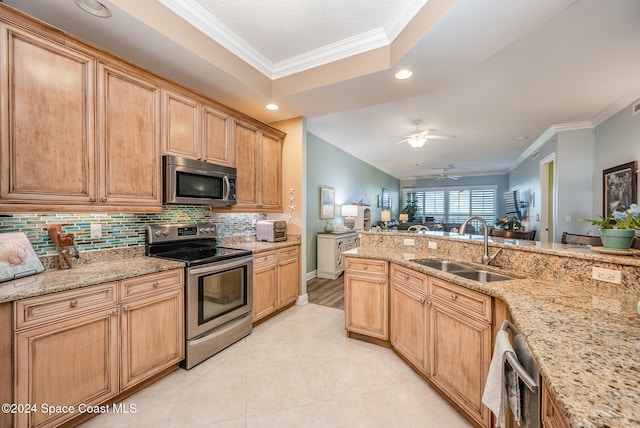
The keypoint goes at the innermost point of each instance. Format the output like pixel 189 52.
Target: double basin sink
pixel 462 270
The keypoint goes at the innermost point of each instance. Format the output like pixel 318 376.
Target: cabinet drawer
pixel 367 266
pixel 409 277
pixel 470 302
pixel 54 307
pixel 260 259
pixel 142 285
pixel 287 253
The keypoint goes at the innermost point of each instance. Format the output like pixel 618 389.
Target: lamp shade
pixel 385 215
pixel 404 217
pixel 349 210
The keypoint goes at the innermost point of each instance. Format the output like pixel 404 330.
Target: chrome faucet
pixel 486 259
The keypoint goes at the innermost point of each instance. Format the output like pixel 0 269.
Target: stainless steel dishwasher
pixel 527 370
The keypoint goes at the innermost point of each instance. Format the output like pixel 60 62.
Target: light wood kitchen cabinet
pixel 457 329
pixel 90 344
pixel 409 323
pixel 366 297
pixel 551 415
pixel 195 130
pixel 66 362
pixel 276 281
pixel 48 140
pixel 258 157
pixel 129 138
pixel 151 300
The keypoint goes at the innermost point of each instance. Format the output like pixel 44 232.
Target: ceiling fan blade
pixel 440 137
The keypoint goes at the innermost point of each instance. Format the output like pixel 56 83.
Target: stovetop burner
pixel 194 244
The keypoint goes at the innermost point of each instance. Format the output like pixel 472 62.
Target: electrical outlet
pixel 409 241
pixel 408 256
pixel 432 245
pixel 607 275
pixel 96 230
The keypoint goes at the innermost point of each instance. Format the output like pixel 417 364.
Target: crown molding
pixel 616 106
pixel 572 126
pixel 196 15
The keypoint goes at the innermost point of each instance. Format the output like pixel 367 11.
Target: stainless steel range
pixel 219 283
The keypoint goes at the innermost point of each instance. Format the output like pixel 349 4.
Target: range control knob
pixel 165 232
pixel 157 233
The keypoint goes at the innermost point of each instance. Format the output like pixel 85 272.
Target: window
pixel 453 205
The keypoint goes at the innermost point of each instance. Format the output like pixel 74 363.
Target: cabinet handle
pixel 114 312
pixel 155 284
pixel 104 199
pixel 454 297
pixel 73 303
pixel 92 199
pixel 125 308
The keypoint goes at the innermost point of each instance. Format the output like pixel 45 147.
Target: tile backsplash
pixel 120 229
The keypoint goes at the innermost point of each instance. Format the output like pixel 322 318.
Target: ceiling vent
pixel 636 108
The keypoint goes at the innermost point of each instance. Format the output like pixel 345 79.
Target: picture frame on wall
pixel 620 187
pixel 327 202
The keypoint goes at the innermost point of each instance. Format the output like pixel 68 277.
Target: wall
pixel 617 141
pixel 352 180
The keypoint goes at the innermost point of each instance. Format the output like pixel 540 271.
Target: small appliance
pixel 271 230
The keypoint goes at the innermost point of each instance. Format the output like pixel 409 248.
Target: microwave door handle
pixel 228 186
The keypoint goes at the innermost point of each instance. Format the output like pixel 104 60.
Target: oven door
pixel 217 293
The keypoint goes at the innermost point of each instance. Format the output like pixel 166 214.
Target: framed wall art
pixel 327 202
pixel 620 187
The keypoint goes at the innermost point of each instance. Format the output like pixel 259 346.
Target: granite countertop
pixel 54 280
pixel 586 339
pixel 260 247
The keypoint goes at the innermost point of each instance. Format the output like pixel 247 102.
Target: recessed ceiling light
pixel 94 8
pixel 522 138
pixel 403 74
pixel 272 106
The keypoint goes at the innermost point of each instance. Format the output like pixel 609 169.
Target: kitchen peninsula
pixel 584 334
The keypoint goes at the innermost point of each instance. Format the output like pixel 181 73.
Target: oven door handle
pixel 219 267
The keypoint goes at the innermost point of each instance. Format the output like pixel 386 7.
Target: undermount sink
pixel 482 275
pixel 462 270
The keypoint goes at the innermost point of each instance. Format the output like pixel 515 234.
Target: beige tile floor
pixel 297 369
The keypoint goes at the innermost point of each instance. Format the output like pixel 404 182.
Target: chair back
pixel 575 239
pixel 514 234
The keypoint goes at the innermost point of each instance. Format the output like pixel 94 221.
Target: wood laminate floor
pixel 327 292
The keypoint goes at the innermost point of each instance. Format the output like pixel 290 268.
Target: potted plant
pixel 508 223
pixel 411 208
pixel 617 231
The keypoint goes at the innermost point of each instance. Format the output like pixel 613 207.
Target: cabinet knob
pixel 422 300
pixel 155 284
pixel 73 303
pixel 428 302
pixel 454 297
pixel 365 267
pixel 406 278
pixel 125 308
pixel 104 199
pixel 115 312
pixel 92 199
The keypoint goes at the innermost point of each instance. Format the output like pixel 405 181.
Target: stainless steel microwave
pixel 192 182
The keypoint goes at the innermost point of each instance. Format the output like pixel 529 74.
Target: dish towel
pixel 502 388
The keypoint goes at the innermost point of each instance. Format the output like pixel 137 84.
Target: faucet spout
pixel 486 258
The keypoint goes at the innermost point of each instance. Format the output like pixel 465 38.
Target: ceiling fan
pixel 420 137
pixel 445 173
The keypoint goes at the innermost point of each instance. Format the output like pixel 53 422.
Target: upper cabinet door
pixel 245 138
pixel 128 138
pixel 216 144
pixel 270 183
pixel 180 125
pixel 47 113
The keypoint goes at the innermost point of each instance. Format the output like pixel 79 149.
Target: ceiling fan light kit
pixel 420 137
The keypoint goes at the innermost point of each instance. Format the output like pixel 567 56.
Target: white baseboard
pixel 302 299
pixel 311 275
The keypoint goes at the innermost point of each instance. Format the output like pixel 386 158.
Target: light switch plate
pixel 96 230
pixel 432 245
pixel 409 241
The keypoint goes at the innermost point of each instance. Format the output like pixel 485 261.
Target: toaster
pixel 271 230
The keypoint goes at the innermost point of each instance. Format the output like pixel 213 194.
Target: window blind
pixel 453 205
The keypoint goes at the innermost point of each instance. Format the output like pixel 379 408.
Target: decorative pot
pixel 617 239
pixel 328 227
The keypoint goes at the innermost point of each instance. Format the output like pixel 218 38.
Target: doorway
pixel 548 198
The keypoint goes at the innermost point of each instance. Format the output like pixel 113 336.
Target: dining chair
pixel 514 234
pixel 575 239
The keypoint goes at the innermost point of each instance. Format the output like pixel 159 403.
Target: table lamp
pixel 348 212
pixel 404 218
pixel 385 216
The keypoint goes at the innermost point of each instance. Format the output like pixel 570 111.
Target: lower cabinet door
pixel 408 325
pixel 68 363
pixel 152 336
pixel 265 290
pixel 288 279
pixel 366 304
pixel 460 349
